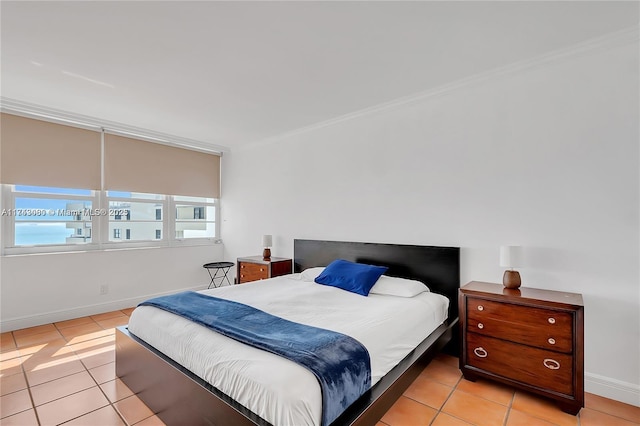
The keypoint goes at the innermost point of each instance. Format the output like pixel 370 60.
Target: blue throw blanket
pixel 340 363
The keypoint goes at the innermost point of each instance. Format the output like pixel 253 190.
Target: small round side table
pixel 220 271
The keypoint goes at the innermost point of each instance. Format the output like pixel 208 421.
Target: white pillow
pixel 402 287
pixel 310 274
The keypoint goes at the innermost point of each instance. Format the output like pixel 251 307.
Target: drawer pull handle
pixel 551 341
pixel 480 308
pixel 480 352
pixel 261 270
pixel 242 266
pixel 480 325
pixel 552 320
pixel 241 276
pixel 551 364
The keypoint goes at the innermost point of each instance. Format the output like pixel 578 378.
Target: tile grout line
pixel 77 353
pixel 509 407
pixel 26 380
pixel 579 415
pixel 33 405
pixel 453 389
pixel 109 403
pixel 438 410
pixel 609 414
pixel 86 369
pixel 84 414
pixel 449 397
pixel 112 404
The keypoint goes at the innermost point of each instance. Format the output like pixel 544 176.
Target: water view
pixel 41 233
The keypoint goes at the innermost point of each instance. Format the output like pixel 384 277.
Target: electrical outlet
pixel 104 289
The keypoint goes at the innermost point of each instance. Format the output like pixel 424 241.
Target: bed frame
pixel 179 397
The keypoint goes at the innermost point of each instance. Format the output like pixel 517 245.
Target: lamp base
pixel 266 253
pixel 511 279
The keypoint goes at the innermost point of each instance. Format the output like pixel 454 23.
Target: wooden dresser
pixel 254 268
pixel 528 338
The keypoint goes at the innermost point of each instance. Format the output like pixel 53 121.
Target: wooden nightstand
pixel 254 268
pixel 528 338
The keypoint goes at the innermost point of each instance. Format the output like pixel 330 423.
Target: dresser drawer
pixel 543 328
pixel 536 367
pixel 252 272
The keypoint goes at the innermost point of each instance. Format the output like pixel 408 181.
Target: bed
pixel 179 396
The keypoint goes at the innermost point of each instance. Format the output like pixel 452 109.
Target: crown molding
pixel 605 42
pixel 29 110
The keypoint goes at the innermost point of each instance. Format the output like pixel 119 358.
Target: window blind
pixel 40 153
pixel 141 166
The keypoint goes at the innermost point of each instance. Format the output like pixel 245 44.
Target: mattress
pixel 278 390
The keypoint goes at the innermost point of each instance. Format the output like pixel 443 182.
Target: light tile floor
pixel 64 373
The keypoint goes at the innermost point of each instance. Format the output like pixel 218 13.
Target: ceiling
pixel 230 73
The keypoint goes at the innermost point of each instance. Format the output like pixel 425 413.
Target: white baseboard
pixel 629 393
pixel 11 324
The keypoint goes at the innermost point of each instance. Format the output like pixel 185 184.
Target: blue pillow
pixel 354 277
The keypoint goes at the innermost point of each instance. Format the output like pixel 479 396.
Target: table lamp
pixel 267 242
pixel 511 257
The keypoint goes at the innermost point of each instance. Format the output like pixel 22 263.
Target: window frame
pixel 199 240
pixel 100 224
pixel 124 242
pixel 8 222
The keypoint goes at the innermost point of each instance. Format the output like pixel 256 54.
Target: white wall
pixel 545 157
pixel 43 288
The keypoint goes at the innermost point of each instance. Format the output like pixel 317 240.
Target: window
pixel 195 217
pixel 120 213
pixel 139 210
pixel 45 219
pixel 114 190
pixel 39 216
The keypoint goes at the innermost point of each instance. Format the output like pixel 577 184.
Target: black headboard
pixel 437 267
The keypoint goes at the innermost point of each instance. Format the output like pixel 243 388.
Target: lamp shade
pixel 267 241
pixel 510 256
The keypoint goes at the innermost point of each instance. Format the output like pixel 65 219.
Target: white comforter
pixel 279 390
